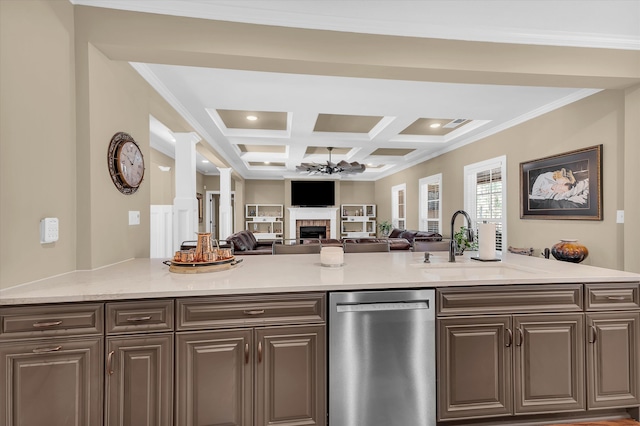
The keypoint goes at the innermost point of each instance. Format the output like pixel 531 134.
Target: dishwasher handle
pixel 383 306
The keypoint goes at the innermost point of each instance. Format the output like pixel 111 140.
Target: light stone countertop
pixel 150 278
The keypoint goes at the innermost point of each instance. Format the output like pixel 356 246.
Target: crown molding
pixel 359 17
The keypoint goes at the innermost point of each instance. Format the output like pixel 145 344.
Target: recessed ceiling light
pixel 267 162
pixel 205 161
pixel 434 125
pixel 252 117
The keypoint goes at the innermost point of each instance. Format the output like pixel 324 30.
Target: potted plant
pixel 385 228
pixel 461 240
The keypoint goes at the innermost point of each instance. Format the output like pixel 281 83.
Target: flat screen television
pixel 313 193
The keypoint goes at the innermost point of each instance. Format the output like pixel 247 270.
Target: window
pixel 431 203
pixel 485 192
pixel 398 206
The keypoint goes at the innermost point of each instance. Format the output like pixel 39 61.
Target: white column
pixel 226 219
pixel 185 204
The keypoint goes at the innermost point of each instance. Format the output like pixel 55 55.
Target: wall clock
pixel 126 163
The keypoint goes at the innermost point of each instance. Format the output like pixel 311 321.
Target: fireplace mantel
pixel 313 213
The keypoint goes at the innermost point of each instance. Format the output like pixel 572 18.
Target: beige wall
pixel 162 183
pixel 264 192
pixel 66 89
pixel 357 192
pixel 630 231
pixel 598 119
pixel 118 101
pixel 37 105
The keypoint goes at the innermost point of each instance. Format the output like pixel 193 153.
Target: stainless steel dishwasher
pixel 382 353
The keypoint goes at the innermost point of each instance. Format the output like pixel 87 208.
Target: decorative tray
pixel 199 267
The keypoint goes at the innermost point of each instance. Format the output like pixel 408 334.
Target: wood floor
pixel 603 423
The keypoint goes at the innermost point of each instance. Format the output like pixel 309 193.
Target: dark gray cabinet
pixel 290 376
pixel 252 360
pixel 613 359
pixel 500 365
pixel 613 345
pixel 139 380
pixel 474 367
pixel 214 378
pixel 139 363
pixel 549 363
pixel 524 350
pixel 51 383
pixel 52 359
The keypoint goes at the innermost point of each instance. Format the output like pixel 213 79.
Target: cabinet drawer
pixel 51 321
pixel 512 299
pixel 139 316
pixel 614 296
pixel 238 311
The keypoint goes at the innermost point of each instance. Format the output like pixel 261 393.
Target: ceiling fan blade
pixel 352 167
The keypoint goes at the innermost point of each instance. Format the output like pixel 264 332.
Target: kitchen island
pixel 150 278
pixel 523 339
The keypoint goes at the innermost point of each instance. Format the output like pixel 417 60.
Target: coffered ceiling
pixel 265 123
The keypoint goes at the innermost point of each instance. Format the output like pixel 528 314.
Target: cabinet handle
pixel 509 337
pixel 521 337
pixel 110 363
pixel 47 324
pixel 136 319
pixel 246 353
pixel 44 350
pixel 254 312
pixel 259 351
pixel 593 334
pixel 616 297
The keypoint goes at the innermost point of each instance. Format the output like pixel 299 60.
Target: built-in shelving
pixel 358 220
pixel 265 221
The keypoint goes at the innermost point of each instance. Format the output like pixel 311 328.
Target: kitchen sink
pixel 474 271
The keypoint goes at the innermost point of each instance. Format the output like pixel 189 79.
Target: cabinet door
pixel 214 378
pixel 291 376
pixel 139 380
pixel 51 383
pixel 474 367
pixel 549 363
pixel 613 359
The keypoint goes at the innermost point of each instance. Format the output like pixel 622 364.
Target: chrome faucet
pixel 452 246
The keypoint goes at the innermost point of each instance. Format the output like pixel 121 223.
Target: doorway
pixel 212 213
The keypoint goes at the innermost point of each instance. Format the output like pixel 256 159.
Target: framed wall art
pixel 563 186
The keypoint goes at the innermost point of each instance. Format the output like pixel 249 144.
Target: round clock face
pixel 126 163
pixel 130 164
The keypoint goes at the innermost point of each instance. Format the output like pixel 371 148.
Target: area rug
pixel 625 422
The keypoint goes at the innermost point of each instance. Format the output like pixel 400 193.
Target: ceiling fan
pixel 330 168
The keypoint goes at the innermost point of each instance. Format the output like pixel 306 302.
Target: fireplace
pixel 325 217
pixel 312 229
pixel 312 232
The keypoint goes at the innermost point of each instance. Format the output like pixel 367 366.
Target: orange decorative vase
pixel 569 251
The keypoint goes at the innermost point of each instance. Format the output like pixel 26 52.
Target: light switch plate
pixel 620 216
pixel 49 230
pixel 134 217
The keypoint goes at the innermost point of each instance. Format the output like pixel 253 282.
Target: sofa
pixel 245 243
pixel 411 235
pixel 394 243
